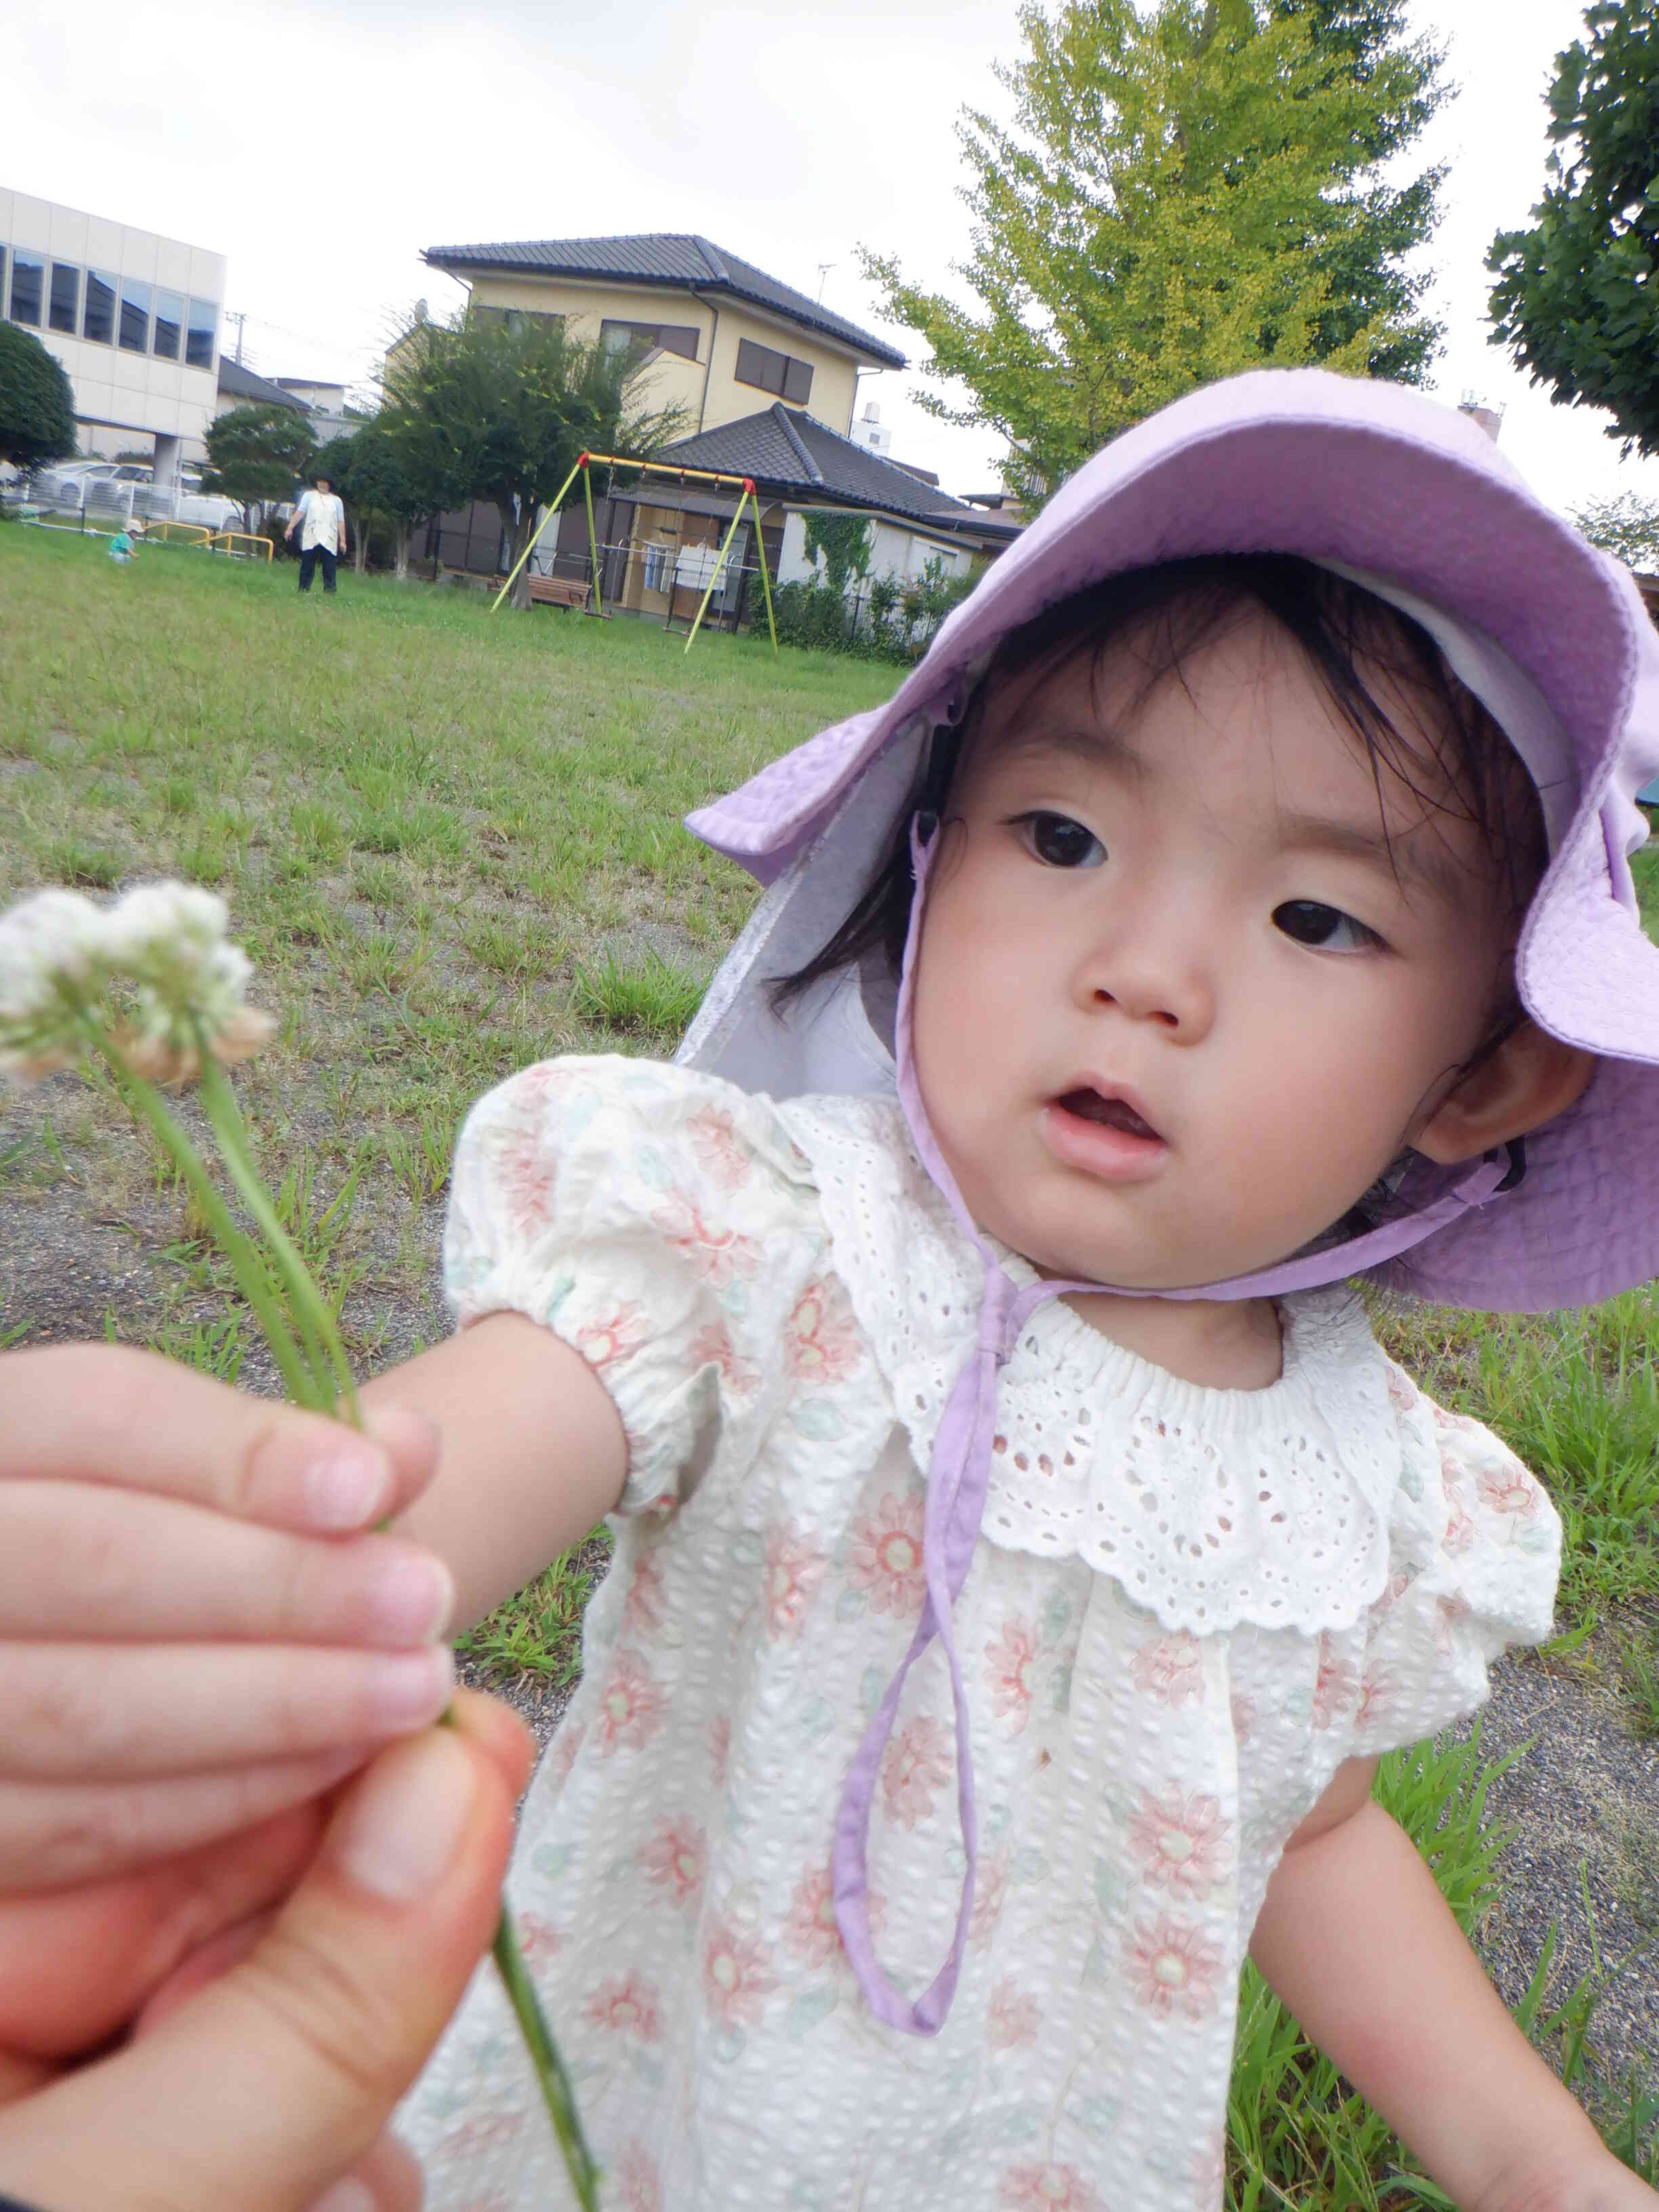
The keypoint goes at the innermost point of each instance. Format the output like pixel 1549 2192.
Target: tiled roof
pixel 795 454
pixel 239 383
pixel 677 259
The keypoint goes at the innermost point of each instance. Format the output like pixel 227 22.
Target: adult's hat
pixel 1358 476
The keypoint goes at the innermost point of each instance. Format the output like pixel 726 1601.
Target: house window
pixel 98 315
pixel 169 325
pixel 782 372
pixel 135 316
pixel 28 285
pixel 659 563
pixel 648 338
pixel 65 312
pixel 514 319
pixel 199 333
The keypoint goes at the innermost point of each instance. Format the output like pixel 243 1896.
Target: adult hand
pixel 264 2086
pixel 193 1635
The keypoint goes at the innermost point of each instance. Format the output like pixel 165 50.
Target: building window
pixel 169 325
pixel 200 332
pixel 64 314
pixel 28 285
pixel 135 316
pixel 649 338
pixel 782 372
pixel 98 312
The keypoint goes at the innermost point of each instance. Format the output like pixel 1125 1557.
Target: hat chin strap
pixel 958 1476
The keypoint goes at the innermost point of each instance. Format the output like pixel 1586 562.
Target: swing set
pixel 746 498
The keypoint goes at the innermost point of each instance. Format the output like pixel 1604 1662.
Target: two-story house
pixel 765 380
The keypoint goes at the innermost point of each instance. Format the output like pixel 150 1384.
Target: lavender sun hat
pixel 1413 500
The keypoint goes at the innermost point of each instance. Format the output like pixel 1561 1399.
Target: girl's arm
pixel 531 1454
pixel 1359 1943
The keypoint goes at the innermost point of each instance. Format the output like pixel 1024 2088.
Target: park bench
pixel 559 592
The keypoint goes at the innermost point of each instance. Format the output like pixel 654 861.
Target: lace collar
pixel 1210 1507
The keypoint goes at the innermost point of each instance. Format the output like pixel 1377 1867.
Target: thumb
pixel 272 2081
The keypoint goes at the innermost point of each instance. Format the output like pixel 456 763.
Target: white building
pixel 868 432
pixel 133 317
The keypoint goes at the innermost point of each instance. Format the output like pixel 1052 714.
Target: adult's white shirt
pixel 322 520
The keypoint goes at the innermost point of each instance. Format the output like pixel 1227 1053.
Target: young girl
pixel 1024 1552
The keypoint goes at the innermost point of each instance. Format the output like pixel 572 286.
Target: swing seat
pixel 559 592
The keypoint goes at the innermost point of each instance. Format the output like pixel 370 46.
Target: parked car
pixel 210 510
pixel 65 484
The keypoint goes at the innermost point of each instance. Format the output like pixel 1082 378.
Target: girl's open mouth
pixel 1103 1135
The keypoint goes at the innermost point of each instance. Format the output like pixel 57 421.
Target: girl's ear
pixel 1530 1079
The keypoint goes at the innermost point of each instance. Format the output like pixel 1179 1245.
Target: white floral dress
pixel 1187 1606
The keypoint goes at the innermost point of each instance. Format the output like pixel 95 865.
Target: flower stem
pixel 557 2094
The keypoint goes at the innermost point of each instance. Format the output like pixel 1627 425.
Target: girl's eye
pixel 1060 843
pixel 1326 928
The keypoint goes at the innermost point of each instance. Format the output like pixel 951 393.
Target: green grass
pixel 452 842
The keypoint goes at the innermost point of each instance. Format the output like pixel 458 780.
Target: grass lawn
pixel 451 843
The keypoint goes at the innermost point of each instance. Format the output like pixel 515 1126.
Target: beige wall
pixel 701 389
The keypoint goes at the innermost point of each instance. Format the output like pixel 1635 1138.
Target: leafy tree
pixel 255 454
pixel 1577 300
pixel 846 541
pixel 1627 527
pixel 1186 190
pixel 496 408
pixel 37 401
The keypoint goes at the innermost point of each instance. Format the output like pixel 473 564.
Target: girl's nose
pixel 1157 977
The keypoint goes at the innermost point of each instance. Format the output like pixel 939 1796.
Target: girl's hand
pixel 265 2086
pixel 195 1634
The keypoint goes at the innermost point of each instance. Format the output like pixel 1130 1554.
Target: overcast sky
pixel 321 144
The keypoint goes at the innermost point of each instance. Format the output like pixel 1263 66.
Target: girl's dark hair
pixel 1459 763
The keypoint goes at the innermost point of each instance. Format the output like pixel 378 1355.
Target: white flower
pixel 164 928
pixel 53 966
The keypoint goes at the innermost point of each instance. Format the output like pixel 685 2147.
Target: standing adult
pixel 320 521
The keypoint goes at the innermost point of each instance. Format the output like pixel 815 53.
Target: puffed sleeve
pixel 1474 1557
pixel 662 1223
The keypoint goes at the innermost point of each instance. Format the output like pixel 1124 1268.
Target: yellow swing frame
pixel 747 497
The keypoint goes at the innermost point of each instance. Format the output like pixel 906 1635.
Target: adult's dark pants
pixel 308 560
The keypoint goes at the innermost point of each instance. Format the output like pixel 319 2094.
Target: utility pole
pixel 239 318
pixel 824 267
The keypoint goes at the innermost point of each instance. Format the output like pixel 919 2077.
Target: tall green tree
pixel 1577 299
pixel 1626 525
pixel 1185 190
pixel 499 408
pixel 256 454
pixel 37 401
pixel 377 471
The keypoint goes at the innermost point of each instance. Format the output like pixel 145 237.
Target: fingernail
pixel 347 2195
pixel 410 1597
pixel 412 1689
pixel 346 1488
pixel 397 1832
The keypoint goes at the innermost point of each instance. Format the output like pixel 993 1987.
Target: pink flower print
pixel 474 2138
pixel 1402 1391
pixel 676 1856
pixel 810 1932
pixel 1243 1708
pixel 1174 1966
pixel 643 2190
pixel 712 1347
pixel 643 1607
pixel 917 1765
pixel 1047 2189
pixel 567 1742
pixel 632 1707
pixel 737 1976
pixel 720 1256
pixel 990 1890
pixel 1508 1488
pixel 1171 1670
pixel 1010 1658
pixel 720 1747
pixel 1337 1686
pixel 615 1335
pixel 719 1151
pixel 1449 1613
pixel 794 1568
pixel 625 2006
pixel 1182 1842
pixel 1011 2019
pixel 538 1938
pixel 1460 1529
pixel 885 1558
pixel 1377 1697
pixel 821 1344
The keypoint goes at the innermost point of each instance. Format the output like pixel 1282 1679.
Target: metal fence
pixel 73 500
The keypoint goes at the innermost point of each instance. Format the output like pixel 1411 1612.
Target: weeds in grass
pixel 539 1631
pixel 1629 2118
pixel 653 999
pixel 70 860
pixel 421 1162
pixel 514 948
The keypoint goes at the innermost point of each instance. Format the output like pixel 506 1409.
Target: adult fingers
pixel 74 1713
pixel 85 1561
pixel 273 2083
pixel 107 1413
